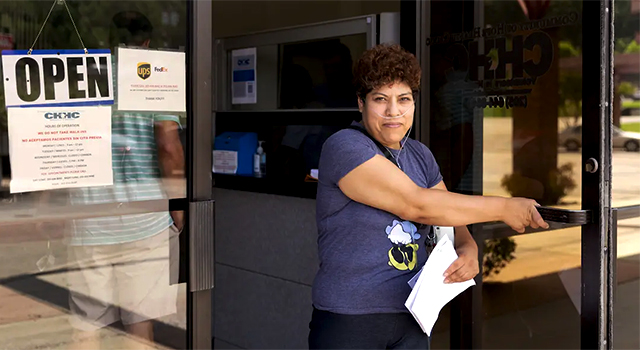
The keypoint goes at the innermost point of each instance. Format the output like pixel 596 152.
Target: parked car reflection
pixel 571 139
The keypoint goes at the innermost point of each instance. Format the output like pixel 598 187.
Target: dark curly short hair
pixel 384 64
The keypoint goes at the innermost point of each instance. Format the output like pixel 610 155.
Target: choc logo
pixel 61 115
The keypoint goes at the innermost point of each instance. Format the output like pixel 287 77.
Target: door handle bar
pixel 565 216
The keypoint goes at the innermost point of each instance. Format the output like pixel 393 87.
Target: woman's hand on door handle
pixel 520 213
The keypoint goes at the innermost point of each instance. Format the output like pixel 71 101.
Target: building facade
pixel 187 248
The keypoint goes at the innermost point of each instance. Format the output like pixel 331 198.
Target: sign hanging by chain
pixel 57 77
pixel 59 129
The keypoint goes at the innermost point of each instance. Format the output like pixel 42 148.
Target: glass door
pixel 94 186
pixel 518 99
pixel 625 239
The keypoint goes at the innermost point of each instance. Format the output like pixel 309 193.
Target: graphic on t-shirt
pixel 404 253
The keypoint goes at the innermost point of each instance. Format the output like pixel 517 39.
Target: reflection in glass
pixel 626 164
pixel 505 82
pixel 76 271
pixel 626 106
pixel 533 302
pixel 318 74
pixel 124 260
pixel 549 74
pixel 298 151
pixel 122 282
pixel 96 23
pixel 626 307
pixel 531 288
pixel 57 295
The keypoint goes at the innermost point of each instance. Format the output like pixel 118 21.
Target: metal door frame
pixel 200 215
pixel 597 110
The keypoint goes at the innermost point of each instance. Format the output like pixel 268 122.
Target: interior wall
pixel 266 251
pixel 265 264
pixel 231 18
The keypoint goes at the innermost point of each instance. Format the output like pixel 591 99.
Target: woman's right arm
pixel 380 184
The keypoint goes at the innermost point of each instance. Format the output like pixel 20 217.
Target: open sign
pixel 57 77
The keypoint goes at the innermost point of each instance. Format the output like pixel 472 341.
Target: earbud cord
pixel 405 138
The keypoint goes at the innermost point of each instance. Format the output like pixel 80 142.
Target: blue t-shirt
pixel 367 255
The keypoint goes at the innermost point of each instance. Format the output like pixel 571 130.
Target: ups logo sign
pixel 144 70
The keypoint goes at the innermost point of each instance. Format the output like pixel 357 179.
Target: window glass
pixel 91 265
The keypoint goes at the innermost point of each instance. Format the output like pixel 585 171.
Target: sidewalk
pixel 27 322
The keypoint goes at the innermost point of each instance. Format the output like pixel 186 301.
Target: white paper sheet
pixel 59 147
pixel 414 279
pixel 430 294
pixel 244 76
pixel 151 80
pixel 225 162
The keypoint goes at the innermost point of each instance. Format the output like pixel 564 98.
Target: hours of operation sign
pixel 62 147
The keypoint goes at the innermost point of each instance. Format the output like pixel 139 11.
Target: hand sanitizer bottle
pixel 263 161
pixel 257 160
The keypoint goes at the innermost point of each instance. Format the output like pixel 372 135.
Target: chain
pixel 42 27
pixel 74 27
pixel 47 19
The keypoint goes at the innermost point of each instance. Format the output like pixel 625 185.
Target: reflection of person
pixel 337 91
pixel 373 216
pixel 299 150
pixel 297 88
pixel 124 260
pixel 453 119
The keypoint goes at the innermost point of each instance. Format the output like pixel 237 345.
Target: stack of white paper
pixel 430 294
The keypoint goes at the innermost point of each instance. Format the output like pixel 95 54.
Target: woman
pixel 374 212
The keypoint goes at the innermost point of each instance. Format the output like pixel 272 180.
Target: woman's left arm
pixel 466 266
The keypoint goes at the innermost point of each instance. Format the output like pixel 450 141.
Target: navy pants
pixel 374 331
